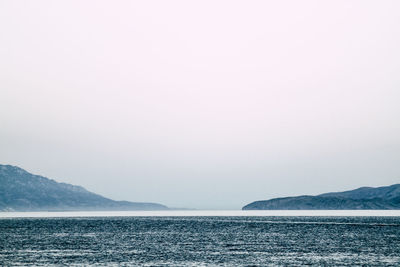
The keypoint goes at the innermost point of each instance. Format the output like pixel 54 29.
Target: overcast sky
pixel 203 104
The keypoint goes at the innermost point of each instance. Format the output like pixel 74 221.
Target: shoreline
pixel 204 213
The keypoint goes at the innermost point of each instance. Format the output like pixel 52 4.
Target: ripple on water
pixel 201 241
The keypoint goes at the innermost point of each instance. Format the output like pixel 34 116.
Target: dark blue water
pixel 201 241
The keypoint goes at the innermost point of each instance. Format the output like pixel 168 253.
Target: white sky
pixel 203 104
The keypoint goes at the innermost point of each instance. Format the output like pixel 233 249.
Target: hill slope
pixel 23 191
pixel 386 197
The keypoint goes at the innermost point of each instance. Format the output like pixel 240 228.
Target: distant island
pixel 364 198
pixel 23 191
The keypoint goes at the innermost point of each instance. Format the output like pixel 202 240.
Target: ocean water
pixel 164 240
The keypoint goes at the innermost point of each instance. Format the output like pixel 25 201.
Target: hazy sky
pixel 204 104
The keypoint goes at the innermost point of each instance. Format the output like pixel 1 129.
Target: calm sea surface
pixel 200 240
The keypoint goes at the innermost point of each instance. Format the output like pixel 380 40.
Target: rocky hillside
pixel 387 197
pixel 23 191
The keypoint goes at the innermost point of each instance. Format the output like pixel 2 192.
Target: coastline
pixel 204 213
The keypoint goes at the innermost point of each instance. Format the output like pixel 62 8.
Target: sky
pixel 202 104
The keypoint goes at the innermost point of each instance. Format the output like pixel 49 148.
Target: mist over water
pixel 209 104
pixel 206 105
pixel 206 213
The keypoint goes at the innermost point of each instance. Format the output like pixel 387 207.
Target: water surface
pixel 201 240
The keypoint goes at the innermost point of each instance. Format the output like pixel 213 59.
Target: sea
pixel 200 238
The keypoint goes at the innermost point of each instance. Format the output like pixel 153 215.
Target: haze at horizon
pixel 212 104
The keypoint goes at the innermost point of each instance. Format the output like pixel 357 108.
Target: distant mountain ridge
pixel 23 191
pixel 385 197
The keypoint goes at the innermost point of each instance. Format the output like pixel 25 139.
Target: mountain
pixel 386 197
pixel 23 191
